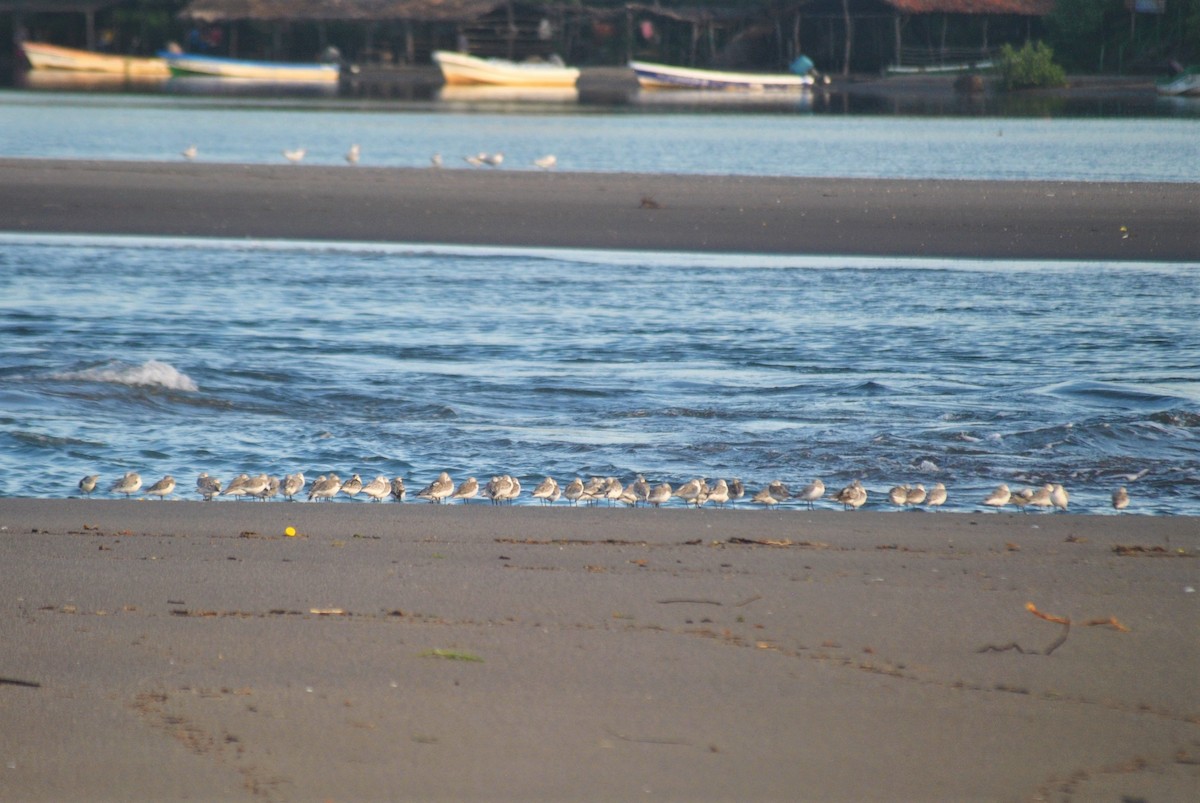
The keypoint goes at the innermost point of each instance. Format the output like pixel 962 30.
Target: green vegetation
pixel 1031 66
pixel 451 655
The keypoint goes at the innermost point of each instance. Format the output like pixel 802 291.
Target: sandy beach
pixel 180 649
pixel 968 219
pixel 188 650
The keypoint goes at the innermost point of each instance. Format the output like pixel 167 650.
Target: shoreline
pixel 797 216
pixel 164 650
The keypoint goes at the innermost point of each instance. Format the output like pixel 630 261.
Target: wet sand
pixel 967 219
pixel 181 649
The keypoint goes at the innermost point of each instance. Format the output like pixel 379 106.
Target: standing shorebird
pixel 237 486
pixel 377 488
pixel 398 489
pixel 162 489
pixel 207 486
pixel 1060 498
pixel 128 484
pixel 1041 497
pixel 574 491
pixel 547 491
pixel 325 487
pixel 1120 498
pixel 719 493
pixel 88 484
pixel 999 497
pixel 292 485
pixel 352 486
pixel 467 489
pixel 295 155
pixel 546 162
pixel 189 152
pixel 765 498
pixel 898 494
pixel 916 495
pixel 353 154
pixel 437 490
pixel 936 497
pixel 812 492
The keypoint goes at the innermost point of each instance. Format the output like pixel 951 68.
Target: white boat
pixel 459 69
pixel 1185 83
pixel 665 76
pixel 284 72
pixel 42 56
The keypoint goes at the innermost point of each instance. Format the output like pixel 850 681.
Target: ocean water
pixel 175 357
pixel 644 140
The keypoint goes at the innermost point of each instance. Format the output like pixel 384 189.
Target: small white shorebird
pixel 128 484
pixel 189 152
pixel 435 161
pixel 377 488
pixel 292 485
pixel 475 160
pixel 1059 497
pixel 574 491
pixel 640 490
pixel 467 489
pixel 325 487
pixel 294 155
pixel 1120 498
pixel 765 498
pixel 660 494
pixel 737 489
pixel 162 489
pixel 719 493
pixel 691 492
pixel 352 486
pixel 437 490
pixel 492 159
pixel 352 155
pixel 898 494
pixel 547 491
pixel 810 493
pixel 237 486
pixel 936 497
pixel 1041 497
pixel 207 486
pixel 852 497
pixel 257 486
pixel 916 495
pixel 546 162
pixel 999 497
pixel 88 484
pixel 271 489
pixel 779 491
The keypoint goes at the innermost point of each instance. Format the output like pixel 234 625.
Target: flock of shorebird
pixel 354 153
pixel 503 489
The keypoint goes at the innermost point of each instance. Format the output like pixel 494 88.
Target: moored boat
pixel 191 64
pixel 665 76
pixel 462 69
pixel 1184 83
pixel 42 56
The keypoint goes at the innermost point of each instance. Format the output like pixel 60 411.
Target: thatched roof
pixel 365 10
pixel 1029 8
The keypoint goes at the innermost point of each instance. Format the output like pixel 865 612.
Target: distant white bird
pixel 207 486
pixel 765 498
pixel 546 162
pixel 352 486
pixel 898 494
pixel 467 489
pixel 492 159
pixel 916 495
pixel 1041 497
pixel 719 493
pixel 398 489
pixel 293 484
pixel 294 156
pixel 547 491
pixel 1120 498
pixel 189 152
pixel 325 487
pixel 353 154
pixel 88 484
pixel 237 486
pixel 435 160
pixel 574 491
pixel 476 160
pixel 437 490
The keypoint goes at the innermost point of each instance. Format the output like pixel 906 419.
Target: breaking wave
pixel 152 373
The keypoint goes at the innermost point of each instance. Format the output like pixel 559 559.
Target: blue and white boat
pixel 191 64
pixel 665 76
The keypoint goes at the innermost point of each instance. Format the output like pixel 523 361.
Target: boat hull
pixel 665 76
pixel 1184 84
pixel 42 56
pixel 187 64
pixel 459 69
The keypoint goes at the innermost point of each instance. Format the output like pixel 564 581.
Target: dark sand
pixel 1018 220
pixel 180 652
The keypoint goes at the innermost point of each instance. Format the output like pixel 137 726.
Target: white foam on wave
pixel 151 373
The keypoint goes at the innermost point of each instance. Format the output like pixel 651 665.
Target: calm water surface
pixel 159 128
pixel 175 357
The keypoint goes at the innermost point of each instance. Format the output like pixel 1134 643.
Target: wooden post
pixel 897 38
pixel 849 36
pixel 89 22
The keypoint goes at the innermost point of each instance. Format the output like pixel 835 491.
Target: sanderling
pixel 163 488
pixel 810 493
pixel 377 488
pixel 88 484
pixel 128 484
